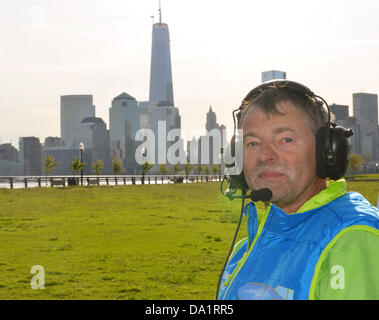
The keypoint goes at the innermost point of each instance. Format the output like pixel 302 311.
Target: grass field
pixel 125 242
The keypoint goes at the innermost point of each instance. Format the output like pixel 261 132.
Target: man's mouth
pixel 270 175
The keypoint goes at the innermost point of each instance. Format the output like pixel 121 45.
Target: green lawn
pixel 125 242
pixel 365 176
pixel 133 242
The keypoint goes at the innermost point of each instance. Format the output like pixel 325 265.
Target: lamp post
pixel 377 166
pixel 221 163
pixel 81 147
pixel 143 154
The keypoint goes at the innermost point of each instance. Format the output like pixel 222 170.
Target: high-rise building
pixel 368 146
pixel 161 114
pixel 161 88
pixel 273 75
pixel 351 122
pixel 376 145
pixel 9 163
pixel 30 155
pixel 96 148
pixel 52 142
pixel 209 152
pixel 341 112
pixel 62 155
pixel 162 119
pixel 8 152
pixel 211 120
pixel 192 151
pixel 11 168
pixel 74 108
pixel 124 122
pixel 365 110
pixel 209 142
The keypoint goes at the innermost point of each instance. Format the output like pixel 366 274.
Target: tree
pixel 216 169
pixel 366 161
pixel 50 165
pixel 76 165
pixel 200 168
pixel 146 166
pixel 116 166
pixel 176 168
pixel 206 171
pixel 163 170
pixel 355 163
pixel 188 169
pixel 97 166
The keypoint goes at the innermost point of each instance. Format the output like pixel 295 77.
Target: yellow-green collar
pixel 334 190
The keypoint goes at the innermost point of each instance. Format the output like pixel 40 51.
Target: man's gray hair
pixel 316 114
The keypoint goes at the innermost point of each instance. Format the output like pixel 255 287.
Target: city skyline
pixel 103 49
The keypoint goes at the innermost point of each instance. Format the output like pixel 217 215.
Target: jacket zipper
pixel 240 264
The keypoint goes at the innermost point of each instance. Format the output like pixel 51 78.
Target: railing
pixel 13 182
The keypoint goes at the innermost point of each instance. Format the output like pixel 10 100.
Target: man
pixel 315 240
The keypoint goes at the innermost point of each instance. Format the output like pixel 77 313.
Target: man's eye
pixel 252 144
pixel 287 140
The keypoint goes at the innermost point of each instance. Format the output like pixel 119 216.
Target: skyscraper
pixel 162 119
pixel 273 75
pixel 97 147
pixel 341 112
pixel 365 110
pixel 211 144
pixel 351 122
pixel 124 122
pixel 30 155
pixel 8 152
pixel 211 120
pixel 9 163
pixel 74 108
pixel 160 73
pixel 161 116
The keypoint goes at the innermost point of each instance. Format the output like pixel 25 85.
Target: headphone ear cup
pixel 237 181
pixel 340 143
pixel 322 143
pixel 332 152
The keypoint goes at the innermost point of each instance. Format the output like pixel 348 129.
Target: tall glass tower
pixel 160 72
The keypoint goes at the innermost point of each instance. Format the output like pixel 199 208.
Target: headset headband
pixel 291 85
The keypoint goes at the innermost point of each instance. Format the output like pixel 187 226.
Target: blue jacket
pixel 283 254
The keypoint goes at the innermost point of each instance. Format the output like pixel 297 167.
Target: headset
pixel 333 145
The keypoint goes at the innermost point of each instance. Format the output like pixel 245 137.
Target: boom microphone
pixel 263 195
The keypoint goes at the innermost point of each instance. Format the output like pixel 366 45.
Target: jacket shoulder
pixel 356 208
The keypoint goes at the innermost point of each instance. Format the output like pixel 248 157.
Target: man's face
pixel 279 154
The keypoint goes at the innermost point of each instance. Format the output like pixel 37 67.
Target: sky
pixel 219 48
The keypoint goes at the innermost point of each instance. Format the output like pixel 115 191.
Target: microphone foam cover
pixel 263 195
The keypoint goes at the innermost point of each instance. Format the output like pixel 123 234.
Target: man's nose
pixel 267 152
